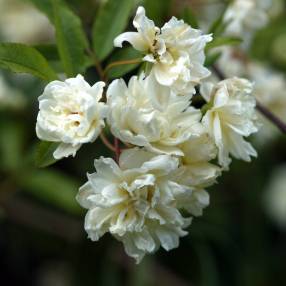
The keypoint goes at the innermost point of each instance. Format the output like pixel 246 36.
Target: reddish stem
pixel 117 149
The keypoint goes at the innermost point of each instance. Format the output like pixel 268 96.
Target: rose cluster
pixel 149 196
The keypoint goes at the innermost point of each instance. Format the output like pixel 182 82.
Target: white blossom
pixel 138 202
pixel 70 113
pixel 230 118
pixel 246 16
pixel 176 51
pixel 147 114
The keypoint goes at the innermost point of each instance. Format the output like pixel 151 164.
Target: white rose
pixel 70 113
pixel 196 170
pixel 176 50
pixel 231 117
pixel 147 114
pixel 137 202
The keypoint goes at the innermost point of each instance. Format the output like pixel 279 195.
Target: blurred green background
pixel 42 239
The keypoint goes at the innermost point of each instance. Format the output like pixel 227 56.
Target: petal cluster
pixel 137 202
pixel 176 51
pixel 231 117
pixel 70 113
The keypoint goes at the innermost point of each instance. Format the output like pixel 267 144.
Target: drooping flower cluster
pixel 148 197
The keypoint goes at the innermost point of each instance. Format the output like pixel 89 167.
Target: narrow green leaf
pixel 123 54
pixel 110 21
pixel 189 17
pixel 70 37
pixel 223 41
pixel 218 26
pixel 44 154
pixel 52 187
pixel 20 58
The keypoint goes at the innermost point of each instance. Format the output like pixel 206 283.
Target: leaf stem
pixel 120 63
pixel 96 64
pixel 260 107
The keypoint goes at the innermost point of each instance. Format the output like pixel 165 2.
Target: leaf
pixel 49 51
pixel 53 187
pixel 110 21
pixel 219 26
pixel 123 54
pixel 157 10
pixel 223 41
pixel 189 17
pixel 71 40
pixel 20 58
pixel 44 154
pixel 212 58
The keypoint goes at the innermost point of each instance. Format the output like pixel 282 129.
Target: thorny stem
pixel 120 63
pixel 260 107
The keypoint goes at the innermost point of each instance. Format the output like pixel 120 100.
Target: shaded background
pixel 42 239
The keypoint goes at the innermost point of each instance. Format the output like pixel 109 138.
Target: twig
pixel 260 107
pixel 96 64
pixel 106 142
pixel 120 63
pixel 117 149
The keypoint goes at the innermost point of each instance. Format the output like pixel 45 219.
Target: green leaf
pixel 223 41
pixel 44 154
pixel 71 40
pixel 52 187
pixel 189 17
pixel 20 58
pixel 123 54
pixel 218 26
pixel 110 21
pixel 49 51
pixel 212 58
pixel 157 10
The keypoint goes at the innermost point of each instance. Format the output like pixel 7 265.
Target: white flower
pixel 231 117
pixel 176 50
pixel 246 16
pixel 195 169
pixel 138 202
pixel 275 196
pixel 147 114
pixel 70 113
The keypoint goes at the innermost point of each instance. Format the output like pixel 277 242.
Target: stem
pixel 106 142
pixel 117 149
pixel 96 64
pixel 260 107
pixel 120 63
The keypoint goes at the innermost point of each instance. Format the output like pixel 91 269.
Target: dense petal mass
pixel 147 114
pixel 176 51
pixel 138 202
pixel 70 113
pixel 231 118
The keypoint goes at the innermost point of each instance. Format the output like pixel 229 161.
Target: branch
pixel 120 63
pixel 260 107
